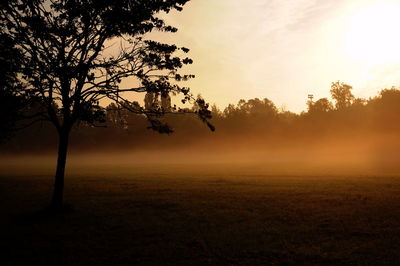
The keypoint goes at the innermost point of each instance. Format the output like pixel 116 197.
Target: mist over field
pixel 356 136
pixel 124 141
pixel 215 210
pixel 267 187
pixel 370 156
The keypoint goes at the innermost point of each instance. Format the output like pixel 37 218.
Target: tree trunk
pixel 58 192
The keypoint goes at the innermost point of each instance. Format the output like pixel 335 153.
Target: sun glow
pixel 372 36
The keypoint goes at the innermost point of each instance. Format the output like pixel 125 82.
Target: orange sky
pixel 284 49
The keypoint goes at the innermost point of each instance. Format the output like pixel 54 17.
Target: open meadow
pixel 214 214
pixel 286 132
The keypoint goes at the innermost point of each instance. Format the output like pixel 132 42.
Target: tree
pixel 341 93
pixel 10 104
pixel 390 97
pixel 68 62
pixel 323 105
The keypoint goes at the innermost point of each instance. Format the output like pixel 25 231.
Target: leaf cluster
pixel 67 57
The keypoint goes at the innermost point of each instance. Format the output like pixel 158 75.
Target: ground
pixel 199 215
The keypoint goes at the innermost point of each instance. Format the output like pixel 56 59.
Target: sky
pixel 284 50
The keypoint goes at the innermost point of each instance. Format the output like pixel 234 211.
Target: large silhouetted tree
pixel 74 53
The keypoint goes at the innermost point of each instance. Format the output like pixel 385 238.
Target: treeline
pixel 346 122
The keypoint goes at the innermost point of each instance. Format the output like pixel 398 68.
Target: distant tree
pixel 230 110
pixel 322 105
pixel 385 107
pixel 216 112
pixel 66 64
pixel 359 102
pixel 115 116
pixel 341 93
pixel 256 107
pixel 390 97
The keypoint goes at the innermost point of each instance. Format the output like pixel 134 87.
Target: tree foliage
pixel 341 93
pixel 68 62
pixel 322 105
pixel 10 103
pixel 252 121
pixel 64 58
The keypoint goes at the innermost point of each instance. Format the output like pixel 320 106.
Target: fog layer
pixel 349 136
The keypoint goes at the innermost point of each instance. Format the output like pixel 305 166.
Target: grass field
pixel 199 215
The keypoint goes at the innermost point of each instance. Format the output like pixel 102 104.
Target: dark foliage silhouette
pixel 66 63
pixel 255 124
pixel 10 103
